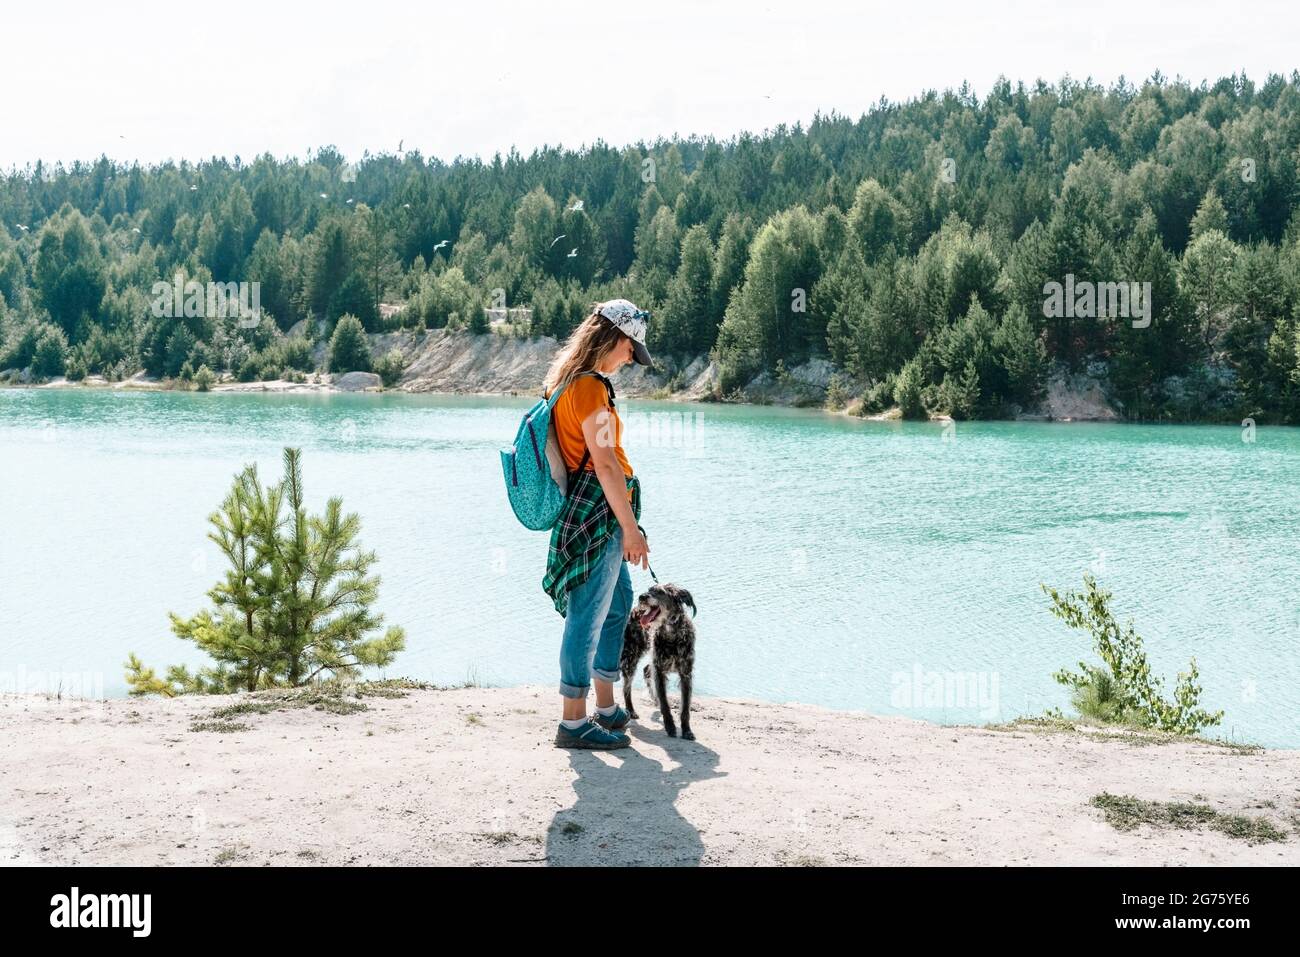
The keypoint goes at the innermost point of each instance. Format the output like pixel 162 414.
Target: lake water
pixel 889 567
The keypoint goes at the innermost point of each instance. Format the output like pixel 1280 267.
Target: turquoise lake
pixel 889 567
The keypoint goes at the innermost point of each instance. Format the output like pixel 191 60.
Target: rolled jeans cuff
pixel 574 691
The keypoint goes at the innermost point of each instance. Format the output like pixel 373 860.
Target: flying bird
pixel 349 202
pixel 406 206
pixel 136 229
pixel 576 207
pixel 324 196
pixel 557 239
pixel 21 226
pixel 441 244
pixel 572 254
pixel 194 189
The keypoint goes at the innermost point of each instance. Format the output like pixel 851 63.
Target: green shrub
pixel 837 393
pixel 349 349
pixel 179 346
pixel 1124 688
pixel 908 387
pixel 203 379
pixel 290 352
pixel 19 348
pixel 390 367
pixel 100 349
pixel 1100 698
pixel 959 395
pixel 51 352
pixel 40 345
pixel 880 396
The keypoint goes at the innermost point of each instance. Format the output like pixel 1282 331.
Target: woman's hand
pixel 635 549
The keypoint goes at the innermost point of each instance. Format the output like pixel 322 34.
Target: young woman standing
pixel 597 532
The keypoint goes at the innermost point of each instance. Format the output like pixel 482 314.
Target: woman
pixel 597 532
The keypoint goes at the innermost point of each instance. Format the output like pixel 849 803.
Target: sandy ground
pixel 471 776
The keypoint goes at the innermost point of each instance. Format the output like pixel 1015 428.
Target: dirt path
pixel 470 776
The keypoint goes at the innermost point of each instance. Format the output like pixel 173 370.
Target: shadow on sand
pixel 626 808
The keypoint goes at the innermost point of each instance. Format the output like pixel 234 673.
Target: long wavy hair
pixel 584 350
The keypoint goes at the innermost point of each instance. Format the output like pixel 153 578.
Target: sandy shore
pixel 470 776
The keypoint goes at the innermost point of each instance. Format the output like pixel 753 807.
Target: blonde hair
pixel 584 350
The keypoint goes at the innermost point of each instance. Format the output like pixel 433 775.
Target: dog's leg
pixel 628 671
pixel 661 687
pixel 650 684
pixel 686 706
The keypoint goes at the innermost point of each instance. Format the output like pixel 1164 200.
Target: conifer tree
pixel 294 604
pixel 349 348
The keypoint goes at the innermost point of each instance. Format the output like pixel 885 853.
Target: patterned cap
pixel 632 321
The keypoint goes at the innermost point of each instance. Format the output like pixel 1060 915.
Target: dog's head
pixel 660 604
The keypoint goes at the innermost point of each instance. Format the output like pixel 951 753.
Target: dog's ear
pixel 683 596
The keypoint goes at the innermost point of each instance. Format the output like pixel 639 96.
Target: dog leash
pixel 647 558
pixel 652 571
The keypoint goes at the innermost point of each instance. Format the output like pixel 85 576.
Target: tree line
pixel 911 248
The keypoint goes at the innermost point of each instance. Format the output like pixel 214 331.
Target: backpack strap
pixel 582 463
pixel 586 452
pixel 609 388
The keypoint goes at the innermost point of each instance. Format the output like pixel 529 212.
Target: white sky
pixel 158 80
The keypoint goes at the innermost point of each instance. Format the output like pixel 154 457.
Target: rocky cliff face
pixel 1075 398
pixel 442 361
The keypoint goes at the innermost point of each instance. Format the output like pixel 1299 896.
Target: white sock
pixel 608 711
pixel 573 724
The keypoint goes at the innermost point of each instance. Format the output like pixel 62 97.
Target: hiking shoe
pixel 590 735
pixel 614 721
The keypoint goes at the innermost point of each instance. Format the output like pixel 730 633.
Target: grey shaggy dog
pixel 659 624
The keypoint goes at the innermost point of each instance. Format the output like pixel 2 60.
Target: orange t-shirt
pixel 585 395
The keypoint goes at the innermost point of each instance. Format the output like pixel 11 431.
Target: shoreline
pixel 469 775
pixel 283 387
pixel 443 362
pixel 139 383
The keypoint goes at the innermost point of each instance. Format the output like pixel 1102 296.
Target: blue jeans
pixel 598 610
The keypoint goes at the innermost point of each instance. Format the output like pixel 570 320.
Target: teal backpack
pixel 536 479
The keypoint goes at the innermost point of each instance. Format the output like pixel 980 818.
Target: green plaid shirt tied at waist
pixel 581 534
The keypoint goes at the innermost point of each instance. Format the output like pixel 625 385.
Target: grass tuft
pixel 1125 813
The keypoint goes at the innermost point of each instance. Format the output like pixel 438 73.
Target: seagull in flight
pixel 194 189
pixel 576 207
pixel 556 240
pixel 136 230
pixel 572 254
pixel 324 196
pixel 406 206
pixel 349 202
pixel 441 244
pixel 21 226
